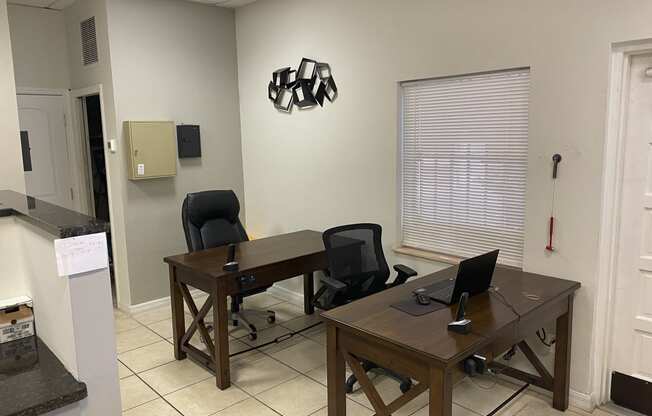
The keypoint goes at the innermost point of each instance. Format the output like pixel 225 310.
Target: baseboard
pixel 582 401
pixel 153 304
pixel 286 294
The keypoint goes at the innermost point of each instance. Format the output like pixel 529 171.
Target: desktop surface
pixel 492 315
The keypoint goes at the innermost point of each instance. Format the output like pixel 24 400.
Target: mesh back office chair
pixel 357 268
pixel 210 219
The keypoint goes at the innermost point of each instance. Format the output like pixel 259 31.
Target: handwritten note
pixel 81 254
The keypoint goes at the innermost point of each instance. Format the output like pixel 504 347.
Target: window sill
pixel 428 255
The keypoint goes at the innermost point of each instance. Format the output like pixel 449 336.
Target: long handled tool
pixel 551 227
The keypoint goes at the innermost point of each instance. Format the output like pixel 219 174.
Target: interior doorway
pixel 90 158
pixel 623 329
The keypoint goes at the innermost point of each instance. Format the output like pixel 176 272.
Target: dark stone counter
pixel 33 381
pixel 61 222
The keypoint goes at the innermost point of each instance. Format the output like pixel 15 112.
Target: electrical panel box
pixel 151 147
pixel 188 141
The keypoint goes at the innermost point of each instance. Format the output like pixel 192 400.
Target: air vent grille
pixel 89 42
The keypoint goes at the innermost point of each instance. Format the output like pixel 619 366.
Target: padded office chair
pixel 357 268
pixel 210 219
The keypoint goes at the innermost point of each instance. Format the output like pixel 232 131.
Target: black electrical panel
pixel 189 143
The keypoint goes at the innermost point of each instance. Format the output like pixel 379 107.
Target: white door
pixel 632 332
pixel 42 124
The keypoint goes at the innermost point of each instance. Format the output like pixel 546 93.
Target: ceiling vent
pixel 89 42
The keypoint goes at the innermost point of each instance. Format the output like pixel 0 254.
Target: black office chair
pixel 357 268
pixel 210 219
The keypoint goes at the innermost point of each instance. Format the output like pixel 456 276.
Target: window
pixel 464 143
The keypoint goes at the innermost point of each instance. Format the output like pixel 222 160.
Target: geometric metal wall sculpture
pixel 305 87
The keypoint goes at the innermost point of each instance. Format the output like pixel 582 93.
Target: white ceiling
pixel 62 4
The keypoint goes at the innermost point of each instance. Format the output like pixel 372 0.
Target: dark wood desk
pixel 422 347
pixel 262 262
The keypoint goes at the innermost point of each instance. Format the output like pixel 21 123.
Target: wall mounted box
pixel 188 141
pixel 151 148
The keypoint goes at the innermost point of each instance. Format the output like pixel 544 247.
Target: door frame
pixel 68 125
pixel 612 182
pixel 82 161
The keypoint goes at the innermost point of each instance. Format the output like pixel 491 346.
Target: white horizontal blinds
pixel 464 164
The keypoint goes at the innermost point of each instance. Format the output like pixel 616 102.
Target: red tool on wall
pixel 556 158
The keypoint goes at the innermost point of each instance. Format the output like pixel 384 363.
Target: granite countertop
pixel 56 220
pixel 33 381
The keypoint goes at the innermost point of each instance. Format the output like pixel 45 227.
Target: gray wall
pixel 339 164
pixel 40 47
pixel 173 60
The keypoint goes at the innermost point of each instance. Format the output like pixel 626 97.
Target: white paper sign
pixel 81 254
pixel 141 169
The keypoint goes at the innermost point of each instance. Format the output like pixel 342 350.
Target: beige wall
pixel 339 164
pixel 11 162
pixel 40 51
pixel 174 60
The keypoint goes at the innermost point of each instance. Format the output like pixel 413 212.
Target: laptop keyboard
pixel 443 294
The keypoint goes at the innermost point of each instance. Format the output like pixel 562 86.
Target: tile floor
pixel 287 379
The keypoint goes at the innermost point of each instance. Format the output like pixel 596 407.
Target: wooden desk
pixel 262 262
pixel 422 347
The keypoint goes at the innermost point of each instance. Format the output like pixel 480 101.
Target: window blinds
pixel 464 143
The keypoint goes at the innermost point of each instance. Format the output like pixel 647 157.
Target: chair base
pixel 246 317
pixel 405 382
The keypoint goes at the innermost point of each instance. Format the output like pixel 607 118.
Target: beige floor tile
pixel 261 301
pixel 286 311
pixel 352 409
pixel 133 392
pixel 270 334
pixel 149 356
pixel 117 313
pixel 134 338
pixel 389 390
pixel 319 374
pixel 124 323
pixel 164 328
pixel 235 346
pixel 204 398
pixel 317 334
pixel 158 314
pixel 298 397
pixel 260 375
pixel 249 407
pixel 123 371
pixel 157 407
pixel 304 356
pixel 303 321
pixel 174 376
pixel 457 411
pixel 482 394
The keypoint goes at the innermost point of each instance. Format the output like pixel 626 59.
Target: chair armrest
pixel 404 273
pixel 333 284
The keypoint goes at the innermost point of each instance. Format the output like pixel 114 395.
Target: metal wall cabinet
pixel 152 149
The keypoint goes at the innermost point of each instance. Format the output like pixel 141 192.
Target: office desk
pixel 262 262
pixel 422 347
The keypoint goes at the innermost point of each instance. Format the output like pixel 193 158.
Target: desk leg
pixel 221 335
pixel 308 293
pixel 336 374
pixel 561 383
pixel 178 318
pixel 441 392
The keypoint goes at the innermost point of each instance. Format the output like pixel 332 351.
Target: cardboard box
pixel 16 319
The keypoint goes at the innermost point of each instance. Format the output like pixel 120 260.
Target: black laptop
pixel 473 276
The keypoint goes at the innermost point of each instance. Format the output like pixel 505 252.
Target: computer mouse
pixel 421 297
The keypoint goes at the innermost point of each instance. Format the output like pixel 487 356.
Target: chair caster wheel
pixel 271 319
pixel 253 336
pixel 405 386
pixel 348 386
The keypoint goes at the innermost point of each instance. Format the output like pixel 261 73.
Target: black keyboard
pixel 442 291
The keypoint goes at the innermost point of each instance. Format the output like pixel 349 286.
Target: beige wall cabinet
pixel 152 149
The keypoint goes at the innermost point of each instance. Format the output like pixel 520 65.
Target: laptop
pixel 473 276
